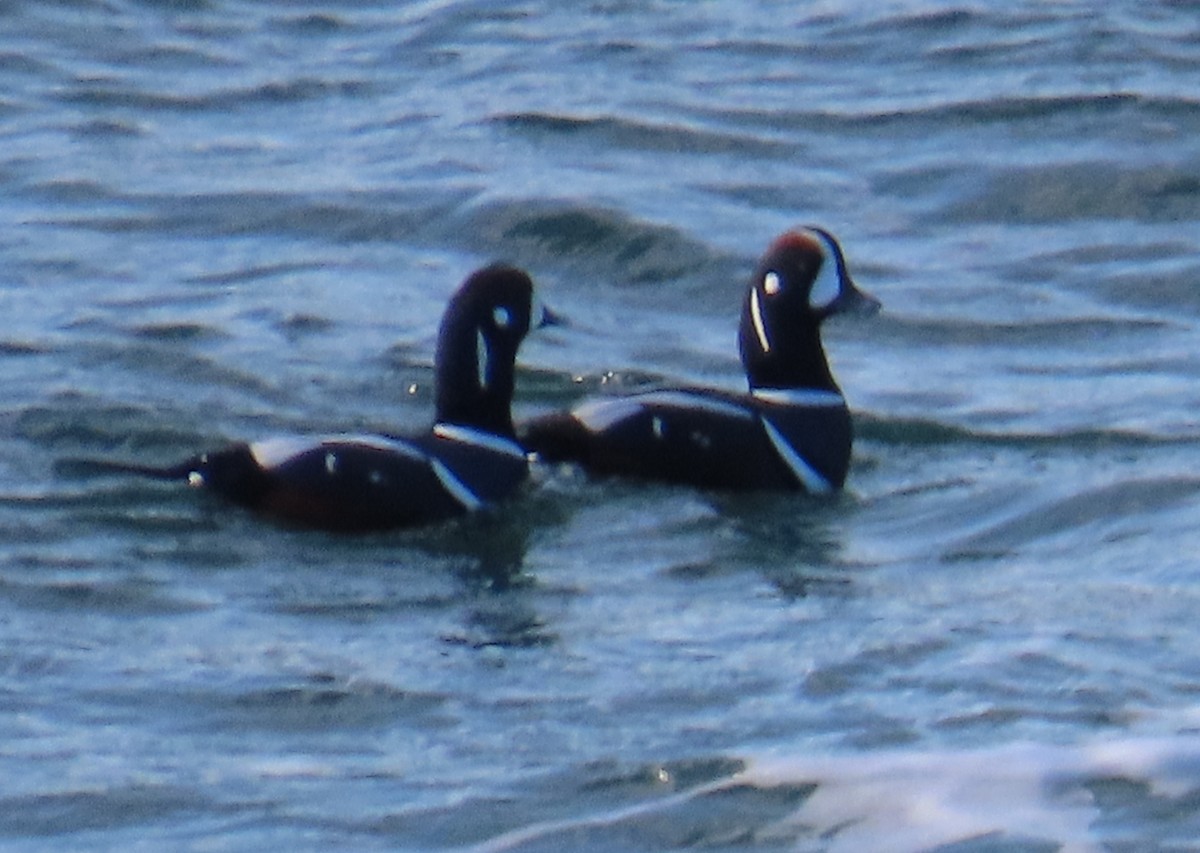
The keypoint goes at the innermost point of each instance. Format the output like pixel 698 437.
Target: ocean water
pixel 224 219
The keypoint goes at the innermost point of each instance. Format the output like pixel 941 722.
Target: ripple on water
pixel 1070 192
pixel 612 247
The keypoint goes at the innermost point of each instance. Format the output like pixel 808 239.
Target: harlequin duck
pixel 468 459
pixel 791 431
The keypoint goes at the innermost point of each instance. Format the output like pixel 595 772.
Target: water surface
pixel 229 220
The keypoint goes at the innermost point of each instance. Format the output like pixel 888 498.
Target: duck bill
pixel 542 316
pixel 854 301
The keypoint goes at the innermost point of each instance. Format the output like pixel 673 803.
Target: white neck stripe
pixel 799 396
pixel 808 476
pixel 760 328
pixel 479 438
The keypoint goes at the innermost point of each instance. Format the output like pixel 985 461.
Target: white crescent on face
pixel 482 357
pixel 760 326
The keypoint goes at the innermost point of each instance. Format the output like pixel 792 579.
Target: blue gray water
pixel 224 219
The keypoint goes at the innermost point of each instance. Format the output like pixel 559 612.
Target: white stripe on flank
pixel 603 412
pixel 273 452
pixel 799 396
pixel 600 414
pixel 455 486
pixel 805 473
pixel 479 438
pixel 686 400
pixel 760 328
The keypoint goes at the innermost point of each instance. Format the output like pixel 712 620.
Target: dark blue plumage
pixel 791 431
pixel 468 459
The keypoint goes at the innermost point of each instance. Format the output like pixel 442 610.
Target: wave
pixel 1070 192
pixel 610 245
pixel 226 99
pixel 1053 517
pixel 902 431
pixel 411 216
pixel 626 132
pixel 901 801
pixel 920 116
pixel 96 810
pixel 323 701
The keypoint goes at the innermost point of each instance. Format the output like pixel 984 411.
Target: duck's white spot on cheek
pixel 760 328
pixel 771 284
pixel 658 427
pixel 195 479
pixel 331 463
pixel 501 316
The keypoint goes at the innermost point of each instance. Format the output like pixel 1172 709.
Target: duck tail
pixel 180 472
pixel 555 437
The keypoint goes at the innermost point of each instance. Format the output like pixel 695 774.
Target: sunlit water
pixel 230 220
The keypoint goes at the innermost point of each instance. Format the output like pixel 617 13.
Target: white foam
pixel 896 802
pixel 904 801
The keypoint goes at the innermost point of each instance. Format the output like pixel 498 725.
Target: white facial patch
pixel 502 317
pixel 828 284
pixel 772 284
pixel 760 328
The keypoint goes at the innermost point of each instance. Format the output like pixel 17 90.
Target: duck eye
pixel 772 284
pixel 502 317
